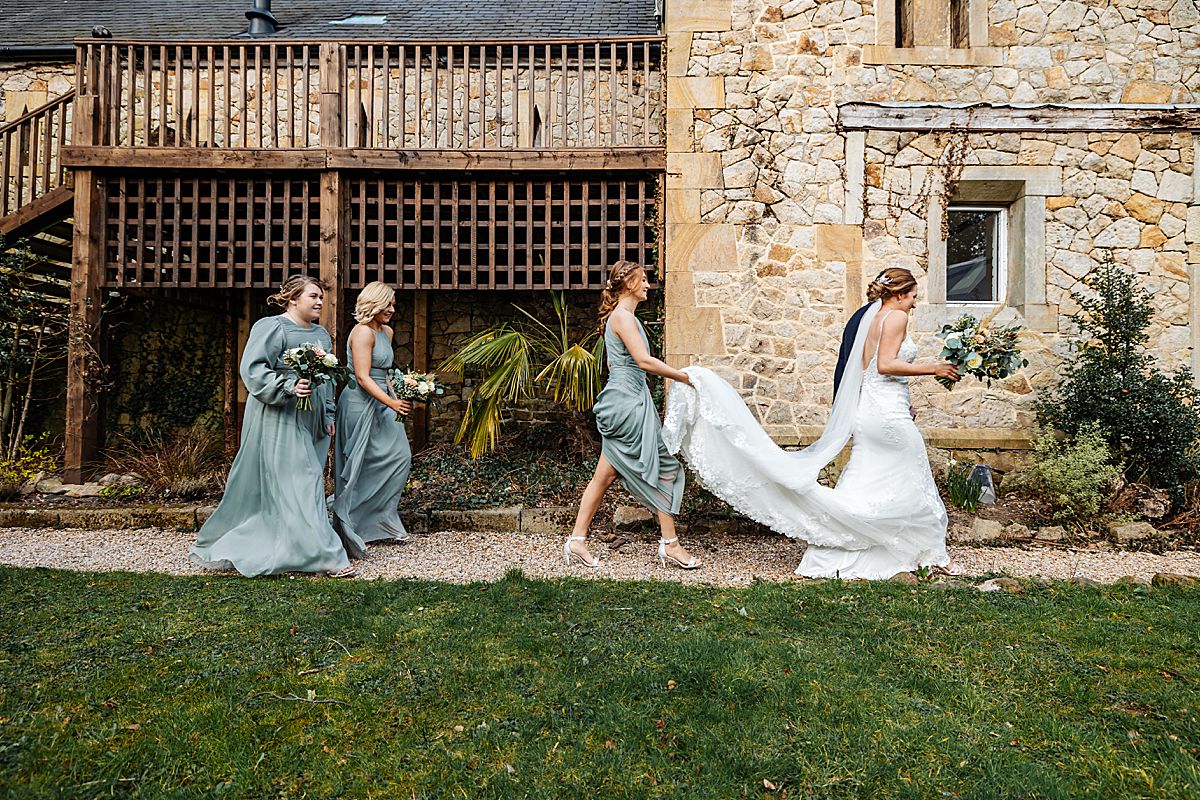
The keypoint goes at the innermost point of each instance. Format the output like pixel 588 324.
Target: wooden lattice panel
pixel 494 232
pixel 210 231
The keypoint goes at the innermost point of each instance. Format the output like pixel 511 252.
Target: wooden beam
pixel 1039 119
pixel 335 157
pixel 30 216
pixel 420 346
pixel 83 343
pixel 565 159
pixel 87 157
pixel 333 228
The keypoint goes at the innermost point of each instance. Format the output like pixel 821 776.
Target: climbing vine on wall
pixel 167 364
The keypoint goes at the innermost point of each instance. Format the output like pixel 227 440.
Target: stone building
pixel 1000 149
pixel 766 158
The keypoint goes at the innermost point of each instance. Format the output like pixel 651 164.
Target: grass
pixel 150 686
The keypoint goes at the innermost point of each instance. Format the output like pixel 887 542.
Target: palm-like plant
pixel 522 360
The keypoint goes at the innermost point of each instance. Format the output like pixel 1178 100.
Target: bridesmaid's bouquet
pixel 312 363
pixel 987 352
pixel 415 387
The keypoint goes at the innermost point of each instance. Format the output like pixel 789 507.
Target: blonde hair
pixel 621 279
pixel 892 282
pixel 374 297
pixel 294 286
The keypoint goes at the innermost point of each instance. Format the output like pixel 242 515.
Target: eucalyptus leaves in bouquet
pixel 989 352
pixel 313 364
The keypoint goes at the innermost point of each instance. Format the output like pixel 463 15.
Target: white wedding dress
pixel 885 515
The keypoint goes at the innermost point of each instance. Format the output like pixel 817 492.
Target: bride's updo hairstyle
pixel 293 287
pixel 623 277
pixel 892 282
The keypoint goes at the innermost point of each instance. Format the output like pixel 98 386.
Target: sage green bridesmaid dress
pixel 272 517
pixel 631 434
pixel 372 459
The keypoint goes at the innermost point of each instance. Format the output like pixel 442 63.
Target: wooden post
pixel 332 240
pixel 87 273
pixel 420 345
pixel 332 197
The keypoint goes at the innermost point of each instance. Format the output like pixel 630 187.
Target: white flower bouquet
pixel 988 353
pixel 415 387
pixel 313 364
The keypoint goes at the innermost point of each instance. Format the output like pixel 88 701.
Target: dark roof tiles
pixel 51 23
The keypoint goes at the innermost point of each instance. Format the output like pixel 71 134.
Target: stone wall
pixel 777 215
pixel 24 87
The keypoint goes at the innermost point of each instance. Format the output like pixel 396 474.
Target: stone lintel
pixel 696 92
pixel 698 15
pixel 701 248
pixel 946 438
pixel 1040 119
pixel 694 171
pixel 934 56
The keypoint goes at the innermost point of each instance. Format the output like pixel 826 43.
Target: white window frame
pixel 999 249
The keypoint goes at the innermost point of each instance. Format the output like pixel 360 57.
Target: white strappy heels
pixel 664 557
pixel 569 554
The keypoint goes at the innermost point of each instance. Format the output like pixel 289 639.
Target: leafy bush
pixel 184 464
pixel 35 456
pixel 964 490
pixel 1070 478
pixel 122 491
pixel 1150 420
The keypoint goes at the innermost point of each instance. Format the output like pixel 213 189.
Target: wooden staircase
pixel 36 196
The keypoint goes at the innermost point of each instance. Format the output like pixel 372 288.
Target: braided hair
pixel 623 276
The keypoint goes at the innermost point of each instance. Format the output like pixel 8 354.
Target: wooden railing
pixel 30 146
pixel 497 95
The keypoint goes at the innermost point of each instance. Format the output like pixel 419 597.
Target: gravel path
pixel 461 557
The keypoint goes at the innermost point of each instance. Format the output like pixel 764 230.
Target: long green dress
pixel 371 459
pixel 272 517
pixel 631 434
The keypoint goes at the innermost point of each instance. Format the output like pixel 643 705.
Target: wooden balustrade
pixel 493 95
pixel 30 148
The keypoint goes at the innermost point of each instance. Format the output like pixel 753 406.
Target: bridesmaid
pixel 631 434
pixel 372 457
pixel 272 517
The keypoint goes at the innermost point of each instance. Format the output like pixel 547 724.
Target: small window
pixel 960 23
pixel 904 23
pixel 975 254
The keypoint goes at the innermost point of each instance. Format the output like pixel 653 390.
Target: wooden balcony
pixel 561 104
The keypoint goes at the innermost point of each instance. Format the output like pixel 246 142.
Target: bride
pixel 885 515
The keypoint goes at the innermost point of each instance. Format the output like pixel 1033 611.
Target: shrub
pixel 184 464
pixel 37 455
pixel 964 489
pixel 1150 420
pixel 1070 478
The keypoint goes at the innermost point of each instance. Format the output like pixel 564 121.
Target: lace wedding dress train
pixel 884 516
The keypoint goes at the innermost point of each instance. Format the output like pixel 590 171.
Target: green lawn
pixel 150 686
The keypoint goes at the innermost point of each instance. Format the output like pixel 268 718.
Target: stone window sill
pixel 934 56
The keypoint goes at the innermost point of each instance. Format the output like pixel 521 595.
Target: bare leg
pixel 666 527
pixel 602 478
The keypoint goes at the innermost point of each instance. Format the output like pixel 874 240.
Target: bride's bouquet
pixel 415 387
pixel 987 352
pixel 313 364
